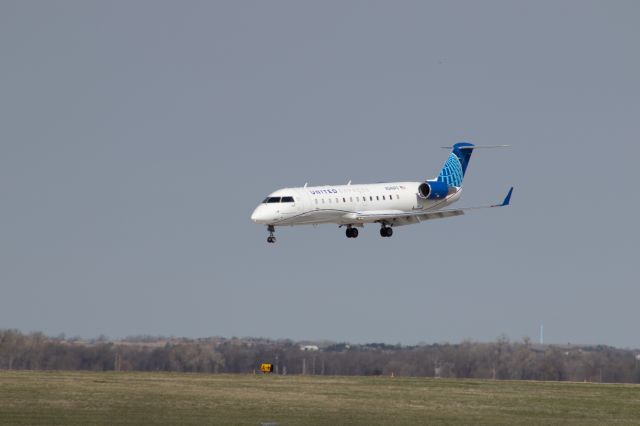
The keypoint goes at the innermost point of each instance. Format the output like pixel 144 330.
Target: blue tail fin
pixel 455 167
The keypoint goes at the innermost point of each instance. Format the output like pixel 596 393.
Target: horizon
pixel 140 337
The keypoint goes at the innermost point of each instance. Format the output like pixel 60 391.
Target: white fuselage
pixel 343 204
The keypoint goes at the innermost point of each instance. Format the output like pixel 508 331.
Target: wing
pixel 399 217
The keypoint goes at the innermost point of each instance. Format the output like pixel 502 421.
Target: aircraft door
pixel 293 208
pixel 302 201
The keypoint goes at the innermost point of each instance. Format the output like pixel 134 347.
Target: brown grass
pixel 71 398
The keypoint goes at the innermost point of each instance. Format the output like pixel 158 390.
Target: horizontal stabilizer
pixel 477 146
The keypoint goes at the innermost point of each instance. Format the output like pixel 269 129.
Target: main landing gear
pixel 352 232
pixel 386 231
pixel 271 238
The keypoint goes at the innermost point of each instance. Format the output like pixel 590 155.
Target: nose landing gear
pixel 271 238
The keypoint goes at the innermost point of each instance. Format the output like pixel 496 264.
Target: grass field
pixel 82 398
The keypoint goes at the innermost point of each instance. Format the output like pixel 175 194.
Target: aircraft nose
pixel 259 215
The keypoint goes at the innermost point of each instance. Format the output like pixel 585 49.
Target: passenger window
pixel 337 200
pixel 370 198
pixel 377 198
pixel 344 200
pixel 397 196
pixel 351 199
pixel 383 198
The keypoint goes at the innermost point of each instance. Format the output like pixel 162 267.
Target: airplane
pixel 389 204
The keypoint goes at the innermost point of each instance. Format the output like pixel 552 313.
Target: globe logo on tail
pixel 451 173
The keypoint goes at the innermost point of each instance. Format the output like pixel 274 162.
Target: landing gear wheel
pixel 386 231
pixel 352 233
pixel 271 238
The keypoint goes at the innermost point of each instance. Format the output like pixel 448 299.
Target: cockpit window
pixel 278 200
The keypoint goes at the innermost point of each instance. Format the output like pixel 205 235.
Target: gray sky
pixel 136 137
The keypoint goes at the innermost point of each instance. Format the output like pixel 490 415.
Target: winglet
pixel 507 199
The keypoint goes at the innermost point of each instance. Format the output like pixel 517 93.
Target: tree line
pixel 501 360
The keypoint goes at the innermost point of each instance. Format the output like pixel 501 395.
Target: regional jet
pixel 388 204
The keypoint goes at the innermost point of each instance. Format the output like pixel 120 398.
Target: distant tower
pixel 542 334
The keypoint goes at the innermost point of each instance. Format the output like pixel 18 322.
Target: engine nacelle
pixel 433 190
